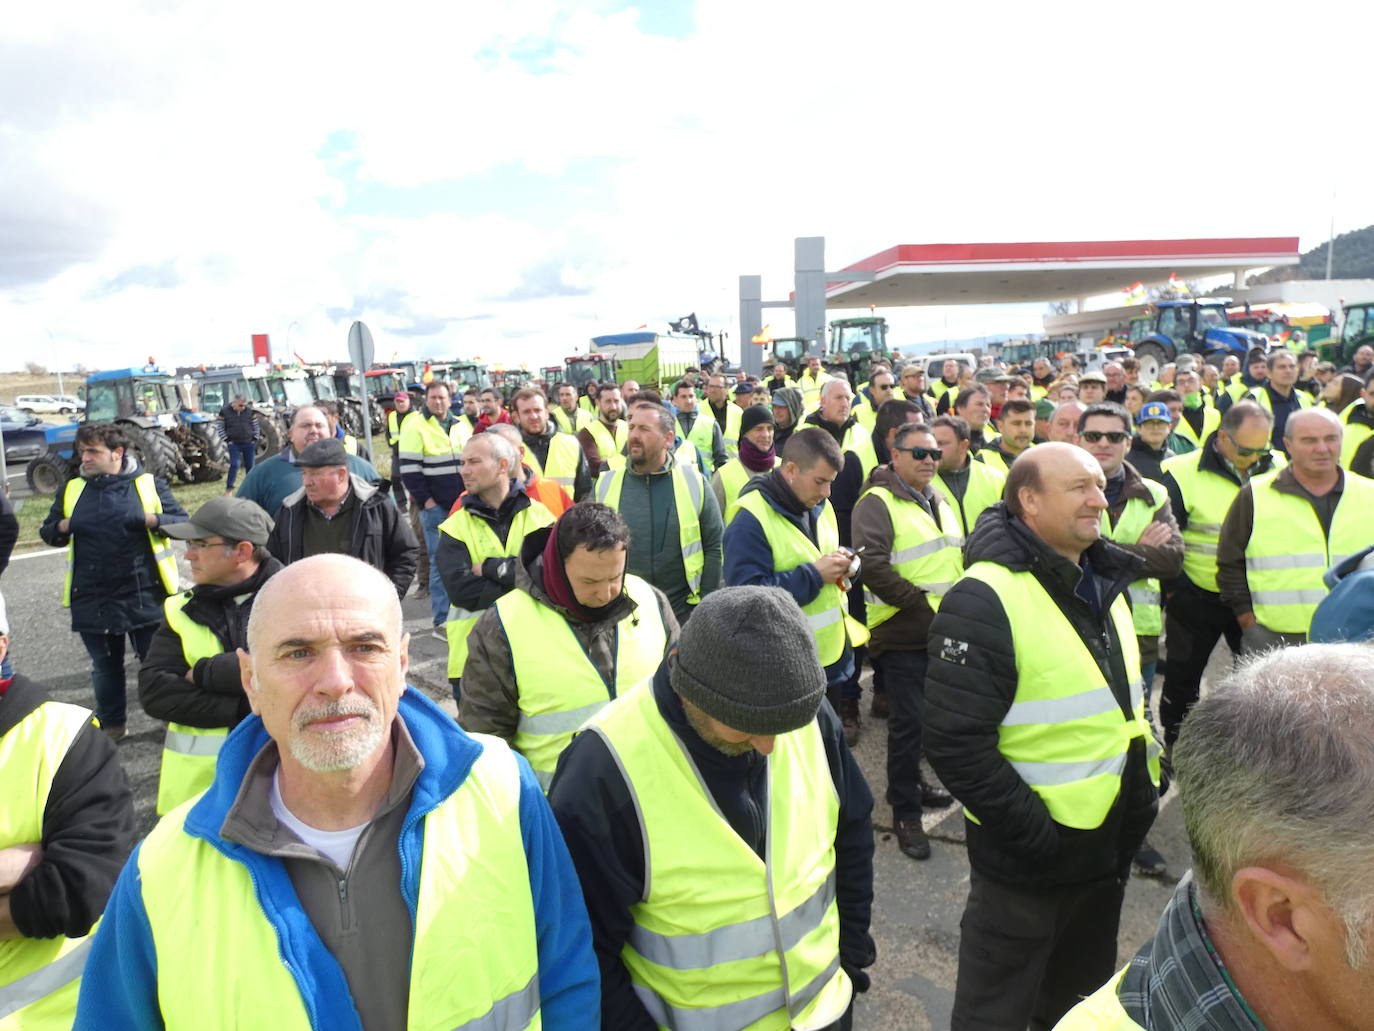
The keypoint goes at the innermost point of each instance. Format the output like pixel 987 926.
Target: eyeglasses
pixel 198 545
pixel 1112 436
pixel 1250 452
pixel 920 453
pixel 882 386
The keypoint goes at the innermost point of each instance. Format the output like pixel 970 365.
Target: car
pixel 24 434
pixel 48 404
pixel 77 405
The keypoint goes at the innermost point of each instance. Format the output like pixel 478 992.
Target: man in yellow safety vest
pixel 119 570
pixel 411 873
pixel 569 417
pixel 575 633
pixel 190 676
pixel 722 832
pixel 698 429
pixel 1035 719
pixel 603 439
pixel 68 818
pixel 548 451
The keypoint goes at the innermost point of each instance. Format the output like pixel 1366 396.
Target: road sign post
pixel 360 352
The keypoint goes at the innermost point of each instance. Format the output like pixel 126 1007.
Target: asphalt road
pixel 917 907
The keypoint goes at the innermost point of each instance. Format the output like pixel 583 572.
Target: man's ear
pixel 1282 914
pixel 246 676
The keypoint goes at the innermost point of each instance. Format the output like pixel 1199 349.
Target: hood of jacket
pixel 796 401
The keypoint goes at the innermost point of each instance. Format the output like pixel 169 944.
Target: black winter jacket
pixel 601 827
pixel 972 682
pixel 115 586
pixel 216 698
pixel 88 828
pixel 381 536
pixel 476 588
pixel 238 427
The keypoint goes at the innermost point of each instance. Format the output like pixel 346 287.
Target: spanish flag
pixel 764 337
pixel 428 375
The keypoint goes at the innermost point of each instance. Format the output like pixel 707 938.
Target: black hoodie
pixel 972 682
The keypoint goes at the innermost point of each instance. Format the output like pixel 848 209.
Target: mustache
pixel 352 707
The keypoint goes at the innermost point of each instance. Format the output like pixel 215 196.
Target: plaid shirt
pixel 1177 981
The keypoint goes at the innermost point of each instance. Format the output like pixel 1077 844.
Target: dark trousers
pixel 1028 955
pixel 1193 622
pixel 398 490
pixel 850 689
pixel 904 674
pixel 107 670
pixel 240 454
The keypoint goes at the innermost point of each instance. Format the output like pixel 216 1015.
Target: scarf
pixel 559 589
pixel 753 459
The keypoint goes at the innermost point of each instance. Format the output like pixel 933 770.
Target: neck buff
pixel 559 590
pixel 753 459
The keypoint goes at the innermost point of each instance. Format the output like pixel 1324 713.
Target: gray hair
pixel 1242 412
pixel 295 416
pixel 500 449
pixel 834 385
pixel 1277 763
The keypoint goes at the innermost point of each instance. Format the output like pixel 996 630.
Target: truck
pixel 653 360
pixel 1295 325
pixel 1196 326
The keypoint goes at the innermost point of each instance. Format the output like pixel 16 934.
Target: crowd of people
pixel 657 607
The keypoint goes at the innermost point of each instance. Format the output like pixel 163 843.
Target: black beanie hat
pixel 755 415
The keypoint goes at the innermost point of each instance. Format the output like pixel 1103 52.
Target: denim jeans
pixel 430 518
pixel 6 667
pixel 107 670
pixel 240 453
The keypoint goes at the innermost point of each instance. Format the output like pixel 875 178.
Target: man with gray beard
pixel 296 891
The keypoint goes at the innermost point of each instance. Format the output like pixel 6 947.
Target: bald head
pixel 1056 489
pixel 1308 420
pixel 319 582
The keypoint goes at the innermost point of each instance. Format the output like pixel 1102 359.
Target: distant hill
pixel 1354 259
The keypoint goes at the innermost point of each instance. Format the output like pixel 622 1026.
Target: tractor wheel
pixel 214 463
pixel 351 417
pixel 270 437
pixel 47 473
pixel 1152 357
pixel 155 451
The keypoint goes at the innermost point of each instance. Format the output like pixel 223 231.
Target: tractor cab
pixel 582 369
pixel 854 344
pixel 1197 326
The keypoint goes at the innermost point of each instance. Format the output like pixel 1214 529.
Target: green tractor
pixel 169 439
pixel 854 345
pixel 1357 329
pixel 790 352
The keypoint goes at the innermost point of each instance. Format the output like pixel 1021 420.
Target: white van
pixel 935 363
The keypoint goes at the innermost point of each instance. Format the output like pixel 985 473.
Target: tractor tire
pixel 271 439
pixel 214 459
pixel 47 473
pixel 156 452
pixel 351 417
pixel 1152 356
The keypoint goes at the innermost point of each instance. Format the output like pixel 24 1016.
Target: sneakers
pixel 911 838
pixel 849 719
pixel 878 708
pixel 440 634
pixel 115 734
pixel 1150 862
pixel 933 797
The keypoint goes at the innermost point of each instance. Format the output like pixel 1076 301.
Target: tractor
pixel 213 388
pixel 1197 326
pixel 854 345
pixel 1357 329
pixel 790 352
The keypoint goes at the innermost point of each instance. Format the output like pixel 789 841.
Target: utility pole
pixel 1331 240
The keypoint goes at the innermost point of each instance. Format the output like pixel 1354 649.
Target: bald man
pixel 323 805
pixel 1061 786
pixel 1287 528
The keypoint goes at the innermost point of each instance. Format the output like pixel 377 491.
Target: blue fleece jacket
pixel 119 988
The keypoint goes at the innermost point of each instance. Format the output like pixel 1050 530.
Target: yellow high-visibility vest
pixel 702 437
pixel 562 459
pixel 161 547
pixel 923 552
pixel 426 447
pixel 733 478
pixel 188 753
pixel 609 447
pixel 1147 613
pixel 689 494
pixel 984 488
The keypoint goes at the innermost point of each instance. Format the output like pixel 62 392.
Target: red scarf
pixel 557 587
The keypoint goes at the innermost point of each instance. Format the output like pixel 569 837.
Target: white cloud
pixel 169 187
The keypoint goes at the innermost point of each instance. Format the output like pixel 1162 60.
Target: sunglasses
pixel 1250 452
pixel 882 386
pixel 919 453
pixel 1112 436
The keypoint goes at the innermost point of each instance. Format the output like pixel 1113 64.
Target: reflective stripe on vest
pixel 1146 613
pixel 733 477
pixel 474 912
pixel 425 447
pixel 1207 497
pixel 188 753
pixel 163 556
pixel 922 553
pixel 723 939
pixel 607 446
pixel 558 687
pixel 482 544
pixel 733 414
pixel 561 460
pixel 983 489
pixel 792 548
pixel 703 438
pixel 689 492
pixel 39 977
pixel 1288 553
pixel 1065 734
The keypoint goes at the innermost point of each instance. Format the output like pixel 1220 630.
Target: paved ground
pixel 916 917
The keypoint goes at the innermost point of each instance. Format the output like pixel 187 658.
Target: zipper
pixel 345 921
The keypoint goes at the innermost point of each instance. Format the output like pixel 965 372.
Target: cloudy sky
pixel 507 180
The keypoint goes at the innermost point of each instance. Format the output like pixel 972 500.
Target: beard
pixel 332 752
pixel 698 721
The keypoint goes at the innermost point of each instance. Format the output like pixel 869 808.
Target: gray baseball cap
pixel 322 453
pixel 234 519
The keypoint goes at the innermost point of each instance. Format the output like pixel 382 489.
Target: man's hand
pixel 431 503
pixel 150 520
pixel 190 675
pixel 1246 620
pixel 16 862
pixel 833 566
pixel 1156 535
pixel 65 526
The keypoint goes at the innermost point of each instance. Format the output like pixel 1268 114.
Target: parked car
pixel 48 404
pixel 77 404
pixel 24 437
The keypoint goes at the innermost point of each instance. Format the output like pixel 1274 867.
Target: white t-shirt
pixel 336 846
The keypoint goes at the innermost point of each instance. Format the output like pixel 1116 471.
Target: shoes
pixel 440 634
pixel 849 720
pixel 878 708
pixel 933 797
pixel 911 838
pixel 1149 862
pixel 115 734
pixel 422 592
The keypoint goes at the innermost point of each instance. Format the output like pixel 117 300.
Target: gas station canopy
pixel 1010 273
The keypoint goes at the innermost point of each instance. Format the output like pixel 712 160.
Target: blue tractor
pixel 168 438
pixel 1197 326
